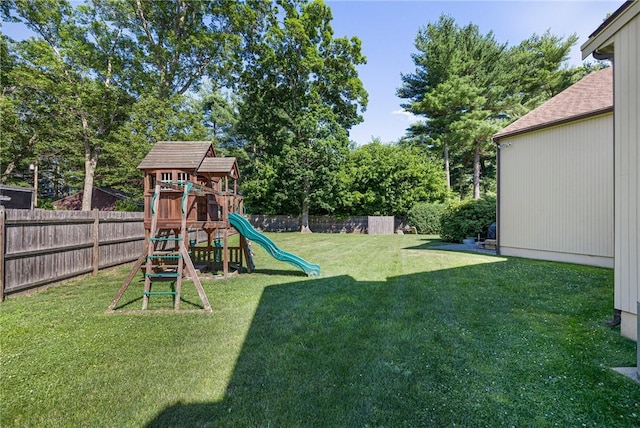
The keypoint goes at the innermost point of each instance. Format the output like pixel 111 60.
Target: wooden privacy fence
pixel 373 225
pixel 41 247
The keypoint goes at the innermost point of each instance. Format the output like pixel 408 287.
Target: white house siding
pixel 627 174
pixel 556 193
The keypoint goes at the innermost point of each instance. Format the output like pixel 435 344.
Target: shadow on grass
pixel 428 244
pixel 281 272
pixel 510 342
pixel 440 245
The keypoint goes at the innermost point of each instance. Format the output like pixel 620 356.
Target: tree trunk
pixel 305 206
pixel 90 162
pixel 447 170
pixel 305 218
pixel 7 172
pixel 476 172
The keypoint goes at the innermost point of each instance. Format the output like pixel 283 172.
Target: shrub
pixel 130 205
pixel 425 217
pixel 467 219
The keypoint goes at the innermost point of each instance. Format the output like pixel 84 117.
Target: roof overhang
pixel 546 125
pixel 600 43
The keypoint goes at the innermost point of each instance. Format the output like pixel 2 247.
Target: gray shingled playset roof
pixel 187 155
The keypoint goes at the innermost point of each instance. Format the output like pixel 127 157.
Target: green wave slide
pixel 245 228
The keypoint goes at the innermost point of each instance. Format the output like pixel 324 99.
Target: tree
pixel 300 95
pixel 389 179
pixel 168 49
pixel 220 115
pixel 467 86
pixel 149 120
pixel 106 54
pixel 18 136
pixel 58 66
pixel 172 45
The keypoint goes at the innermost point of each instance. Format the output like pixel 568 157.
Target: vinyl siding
pixel 556 193
pixel 627 158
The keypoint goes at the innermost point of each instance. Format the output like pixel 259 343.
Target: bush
pixel 467 219
pixel 129 205
pixel 425 217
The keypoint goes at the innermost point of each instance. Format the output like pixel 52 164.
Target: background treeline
pixel 99 82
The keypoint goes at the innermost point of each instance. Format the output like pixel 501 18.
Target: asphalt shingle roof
pixel 593 94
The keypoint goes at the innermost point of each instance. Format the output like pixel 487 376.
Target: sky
pixel 387 30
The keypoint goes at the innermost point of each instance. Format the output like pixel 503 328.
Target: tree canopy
pixel 467 86
pixel 300 95
pixel 388 179
pixel 268 82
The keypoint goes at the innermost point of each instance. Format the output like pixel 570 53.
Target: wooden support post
pixel 225 252
pixel 96 241
pixel 194 277
pixel 151 246
pixel 246 253
pixel 2 251
pixel 176 244
pixel 129 278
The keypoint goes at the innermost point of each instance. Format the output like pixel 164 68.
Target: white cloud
pixel 406 116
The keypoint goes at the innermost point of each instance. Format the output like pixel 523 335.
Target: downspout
pixel 499 194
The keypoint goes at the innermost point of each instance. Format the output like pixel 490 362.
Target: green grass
pixel 393 333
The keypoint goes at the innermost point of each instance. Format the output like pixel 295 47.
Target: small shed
pixel 618 39
pixel 102 199
pixel 14 197
pixel 555 177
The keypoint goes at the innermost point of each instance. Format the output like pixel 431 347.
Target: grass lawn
pixel 393 333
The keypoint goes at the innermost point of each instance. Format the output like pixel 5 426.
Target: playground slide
pixel 245 228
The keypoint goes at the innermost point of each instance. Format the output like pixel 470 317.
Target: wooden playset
pixel 186 187
pixel 188 190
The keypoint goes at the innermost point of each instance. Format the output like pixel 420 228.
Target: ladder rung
pixel 152 293
pixel 165 256
pixel 162 275
pixel 165 239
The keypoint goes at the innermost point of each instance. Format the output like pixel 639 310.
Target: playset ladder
pixel 157 259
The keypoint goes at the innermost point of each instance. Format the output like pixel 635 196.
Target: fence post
pixel 2 251
pixel 95 263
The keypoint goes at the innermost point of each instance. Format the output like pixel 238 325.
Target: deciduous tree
pixel 72 90
pixel 389 179
pixel 301 93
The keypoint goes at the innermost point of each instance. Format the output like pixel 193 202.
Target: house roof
pixel 219 166
pixel 600 42
pixel 186 155
pixel 592 95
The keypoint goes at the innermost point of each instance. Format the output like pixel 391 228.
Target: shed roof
pixel 220 166
pixel 102 198
pixel 592 95
pixel 186 155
